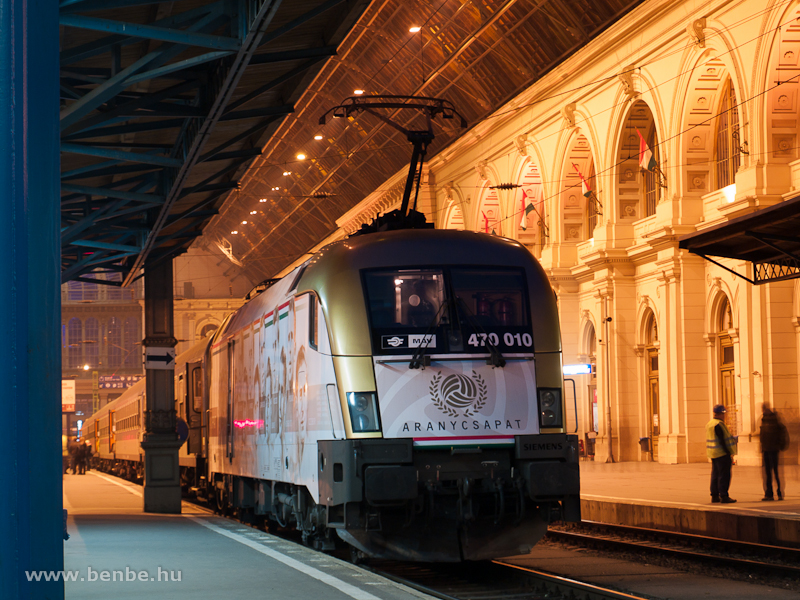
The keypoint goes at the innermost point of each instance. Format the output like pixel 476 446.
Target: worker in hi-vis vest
pixel 720 448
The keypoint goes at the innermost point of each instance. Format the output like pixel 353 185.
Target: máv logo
pixel 458 395
pixel 394 342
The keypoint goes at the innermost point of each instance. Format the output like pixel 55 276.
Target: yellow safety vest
pixel 713 447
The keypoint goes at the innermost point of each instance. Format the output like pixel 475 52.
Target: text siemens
pixel 542 447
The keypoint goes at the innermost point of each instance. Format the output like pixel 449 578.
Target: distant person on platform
pixel 774 438
pixel 84 454
pixel 74 456
pixel 721 447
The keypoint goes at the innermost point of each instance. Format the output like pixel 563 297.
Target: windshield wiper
pixel 495 356
pixel 420 360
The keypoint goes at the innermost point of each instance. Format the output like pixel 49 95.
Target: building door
pixel 652 401
pixel 727 367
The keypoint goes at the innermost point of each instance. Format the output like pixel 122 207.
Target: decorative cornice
pixel 371 209
pixel 626 79
pixel 521 144
pixel 568 112
pixel 695 29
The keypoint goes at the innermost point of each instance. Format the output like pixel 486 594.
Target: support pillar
pixel 31 519
pixel 162 484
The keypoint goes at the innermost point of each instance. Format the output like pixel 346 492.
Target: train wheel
pixel 222 501
pixel 357 557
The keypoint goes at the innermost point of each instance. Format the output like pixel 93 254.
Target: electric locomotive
pixel 401 391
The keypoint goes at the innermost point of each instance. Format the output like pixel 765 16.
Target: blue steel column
pixel 31 524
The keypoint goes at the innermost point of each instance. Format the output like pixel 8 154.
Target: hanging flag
pixel 528 207
pixel 485 222
pixel 646 159
pixel 585 189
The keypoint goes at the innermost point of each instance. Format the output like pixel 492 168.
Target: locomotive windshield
pixel 457 310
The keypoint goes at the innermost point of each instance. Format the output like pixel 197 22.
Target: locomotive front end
pixel 447 354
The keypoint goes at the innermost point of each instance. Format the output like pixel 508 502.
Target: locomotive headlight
pixel 550 414
pixel 363 411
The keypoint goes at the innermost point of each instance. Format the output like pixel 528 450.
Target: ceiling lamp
pixel 301 156
pixel 286 173
pixel 414 29
pixel 244 222
pixel 358 92
pixel 252 212
pixel 234 232
pixel 317 137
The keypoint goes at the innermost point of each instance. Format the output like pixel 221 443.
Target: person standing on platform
pixel 83 458
pixel 87 457
pixel 74 456
pixel 721 447
pixel 774 438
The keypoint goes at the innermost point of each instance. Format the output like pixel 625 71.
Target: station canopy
pixel 186 119
pixel 768 238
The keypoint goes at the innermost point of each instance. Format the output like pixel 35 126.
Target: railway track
pixel 493 580
pixel 498 580
pixel 745 557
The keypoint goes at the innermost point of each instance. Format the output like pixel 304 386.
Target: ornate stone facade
pixel 712 89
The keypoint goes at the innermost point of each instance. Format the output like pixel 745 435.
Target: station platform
pixel 677 498
pixel 116 550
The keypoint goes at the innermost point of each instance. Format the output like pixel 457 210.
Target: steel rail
pixel 747 564
pixel 537 585
pixel 570 588
pixel 791 554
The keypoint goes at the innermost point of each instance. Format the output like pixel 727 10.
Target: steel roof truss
pixel 273 84
pixel 97 171
pixel 106 245
pixel 237 138
pixel 125 129
pixel 301 20
pixel 764 238
pixel 69 6
pixel 193 137
pixel 146 158
pixel 108 193
pixel 779 270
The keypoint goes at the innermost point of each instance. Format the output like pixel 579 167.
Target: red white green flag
pixel 585 189
pixel 530 197
pixel 485 222
pixel 646 159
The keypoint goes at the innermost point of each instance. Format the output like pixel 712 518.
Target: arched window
pixel 132 358
pixel 638 189
pixel 727 157
pixel 75 342
pixel 114 342
pixel 651 373
pixel 727 364
pixel 489 218
pixel 591 354
pixel 454 218
pixel 91 342
pixel 650 182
